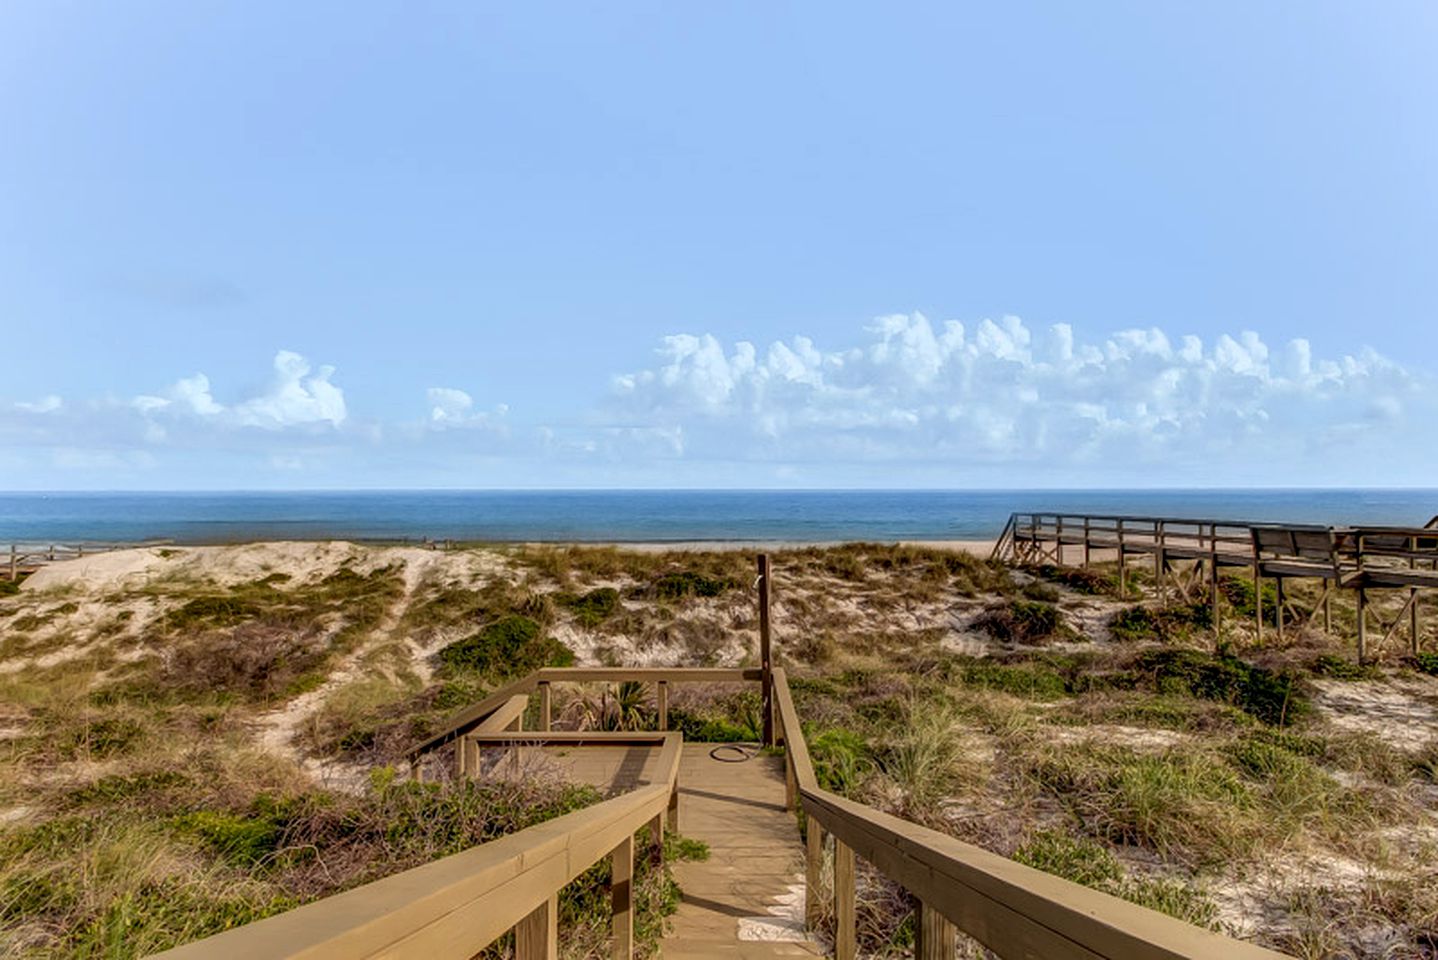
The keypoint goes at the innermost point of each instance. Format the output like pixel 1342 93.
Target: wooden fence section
pixel 29 557
pixel 1359 559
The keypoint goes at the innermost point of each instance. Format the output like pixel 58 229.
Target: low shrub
pixel 687 583
pixel 1164 624
pixel 1022 621
pixel 592 608
pixel 509 647
pixel 1337 668
pixel 1274 698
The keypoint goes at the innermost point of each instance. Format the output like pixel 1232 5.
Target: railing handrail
pixel 466 719
pixel 455 906
pixel 1011 908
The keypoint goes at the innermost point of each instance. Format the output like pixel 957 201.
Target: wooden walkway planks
pixel 747 900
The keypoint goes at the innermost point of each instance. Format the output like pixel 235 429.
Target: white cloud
pixel 451 407
pixel 1004 393
pixel 46 404
pixel 294 397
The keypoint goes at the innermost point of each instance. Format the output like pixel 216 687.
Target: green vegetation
pixel 505 649
pixel 1093 865
pixel 1167 624
pixel 687 583
pixel 592 608
pixel 1274 698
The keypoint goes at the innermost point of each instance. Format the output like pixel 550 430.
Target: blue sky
pixel 754 244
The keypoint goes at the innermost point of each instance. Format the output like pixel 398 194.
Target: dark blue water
pixel 652 515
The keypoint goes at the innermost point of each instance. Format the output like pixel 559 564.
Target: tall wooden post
pixel 845 914
pixel 545 707
pixel 14 562
pixel 663 704
pixel 766 661
pixel 621 898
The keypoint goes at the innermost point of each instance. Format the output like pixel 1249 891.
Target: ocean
pixel 806 516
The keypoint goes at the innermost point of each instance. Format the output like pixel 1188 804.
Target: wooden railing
pixel 1012 909
pixel 457 906
pixel 453 908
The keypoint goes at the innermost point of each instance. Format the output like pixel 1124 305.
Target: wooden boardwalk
pixel 747 900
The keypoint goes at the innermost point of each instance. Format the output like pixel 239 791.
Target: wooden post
pixel 791 785
pixel 766 662
pixel 1328 611
pixel 1122 561
pixel 1362 626
pixel 1278 605
pixel 14 563
pixel 1217 594
pixel 1257 594
pixel 845 918
pixel 656 837
pixel 1086 547
pixel 621 899
pixel 935 938
pixel 545 707
pixel 663 698
pixel 461 757
pixel 672 814
pixel 813 872
pixel 1059 539
pixel 536 937
pixel 1413 599
pixel 1413 620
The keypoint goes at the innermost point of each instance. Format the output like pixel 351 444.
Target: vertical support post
pixel 813 872
pixel 461 758
pixel 766 662
pixel 1122 564
pixel 1217 594
pixel 1328 610
pixel 935 938
pixel 1413 620
pixel 663 697
pixel 1278 604
pixel 656 837
pixel 536 937
pixel 1362 626
pixel 1086 546
pixel 845 916
pixel 1257 592
pixel 621 899
pixel 14 563
pixel 672 814
pixel 1160 560
pixel 546 707
pixel 1059 539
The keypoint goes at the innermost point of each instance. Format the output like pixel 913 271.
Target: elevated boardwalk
pixel 1186 552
